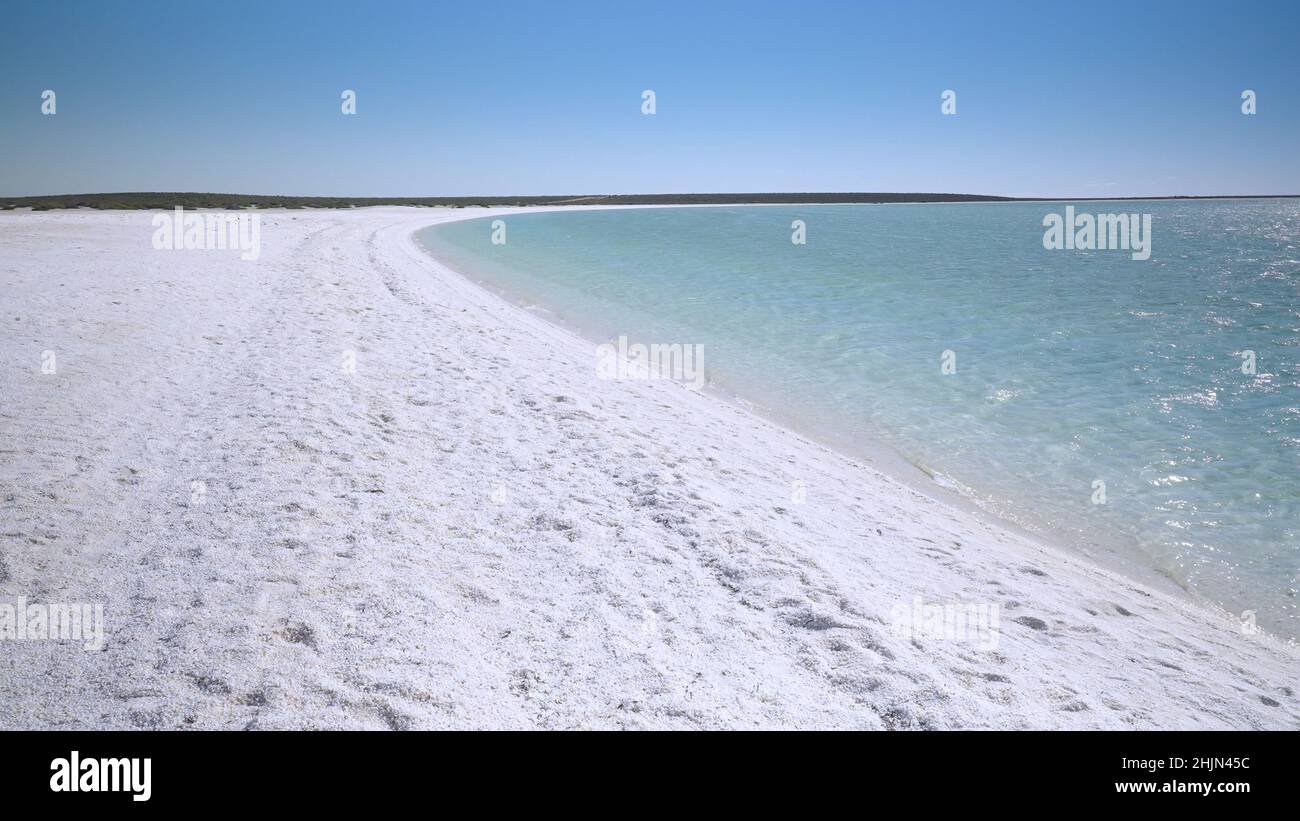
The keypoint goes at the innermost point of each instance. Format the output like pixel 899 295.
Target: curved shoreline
pixel 458 525
pixel 881 456
pixel 1182 602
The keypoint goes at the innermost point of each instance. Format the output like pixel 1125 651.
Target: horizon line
pixel 152 200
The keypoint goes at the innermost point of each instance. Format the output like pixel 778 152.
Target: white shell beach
pixel 341 486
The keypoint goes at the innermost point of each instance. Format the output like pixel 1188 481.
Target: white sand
pixel 474 531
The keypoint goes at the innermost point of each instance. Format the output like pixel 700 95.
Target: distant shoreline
pixel 167 200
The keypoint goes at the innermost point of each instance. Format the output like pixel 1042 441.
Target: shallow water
pixel 1071 367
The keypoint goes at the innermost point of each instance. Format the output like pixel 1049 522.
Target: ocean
pixel 1142 411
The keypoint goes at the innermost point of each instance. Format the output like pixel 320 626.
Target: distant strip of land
pixel 168 200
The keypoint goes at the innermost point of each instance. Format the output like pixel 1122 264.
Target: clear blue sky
pixel 1054 99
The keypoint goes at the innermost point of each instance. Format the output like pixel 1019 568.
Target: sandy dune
pixel 472 530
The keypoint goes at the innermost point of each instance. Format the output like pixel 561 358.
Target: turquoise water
pixel 1070 366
